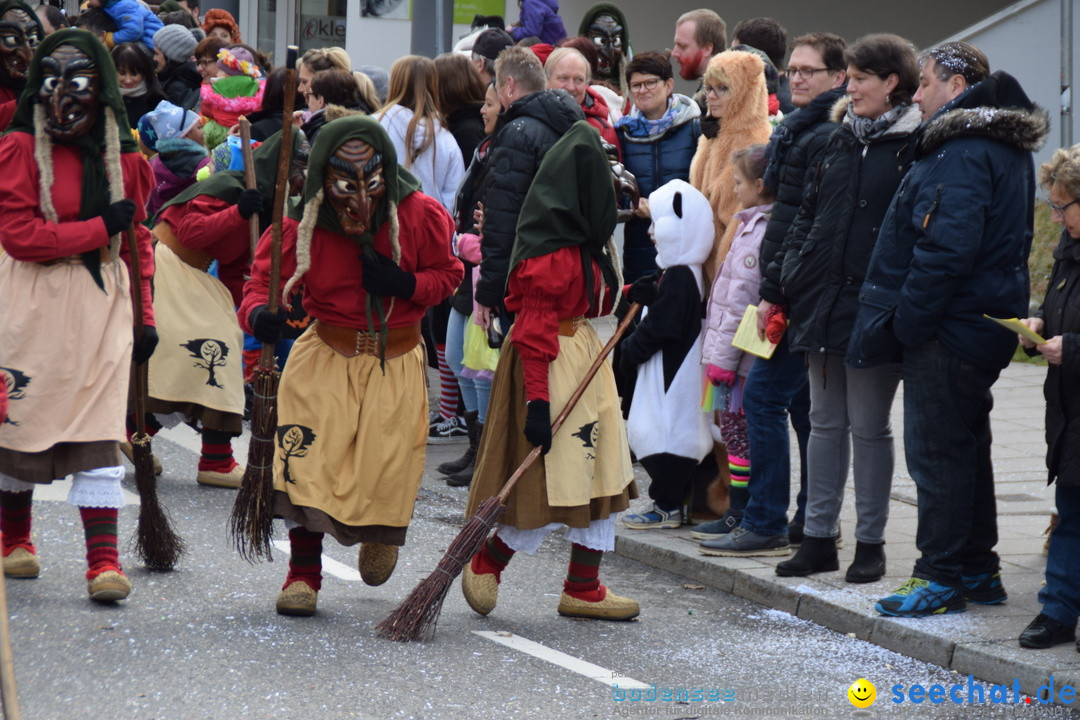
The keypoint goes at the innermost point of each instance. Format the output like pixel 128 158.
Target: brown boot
pixel 377 562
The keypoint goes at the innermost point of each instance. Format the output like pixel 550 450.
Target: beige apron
pixel 350 439
pixel 65 353
pixel 200 353
pixel 587 475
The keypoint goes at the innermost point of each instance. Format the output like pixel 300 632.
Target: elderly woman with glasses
pixel 659 136
pixel 1058 320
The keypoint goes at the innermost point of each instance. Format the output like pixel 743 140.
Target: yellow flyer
pixel 746 336
pixel 1019 328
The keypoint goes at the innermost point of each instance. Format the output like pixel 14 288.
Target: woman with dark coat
pixel 659 136
pixel 461 95
pixel 1059 320
pixel 825 256
pixel 267 119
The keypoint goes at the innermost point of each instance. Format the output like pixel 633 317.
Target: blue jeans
pixel 770 388
pixel 947 440
pixel 474 391
pixel 1060 597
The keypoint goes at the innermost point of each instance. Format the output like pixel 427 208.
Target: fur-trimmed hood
pixel 996 109
pixel 906 124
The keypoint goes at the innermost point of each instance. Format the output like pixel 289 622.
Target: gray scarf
pixel 866 130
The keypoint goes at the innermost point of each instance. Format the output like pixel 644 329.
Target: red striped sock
pixel 305 558
pixel 448 387
pixel 217 452
pixel 99 524
pixel 493 558
pixel 15 520
pixel 583 576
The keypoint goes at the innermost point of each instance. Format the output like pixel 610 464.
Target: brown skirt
pixel 597 462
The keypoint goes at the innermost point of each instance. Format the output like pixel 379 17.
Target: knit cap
pixel 165 122
pixel 237 61
pixel 379 78
pixel 175 42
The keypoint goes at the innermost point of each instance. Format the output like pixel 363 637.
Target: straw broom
pixel 415 618
pixel 156 542
pixel 251 524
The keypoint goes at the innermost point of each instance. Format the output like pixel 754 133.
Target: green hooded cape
pixel 571 202
pixel 6 5
pixel 399 181
pixel 228 184
pixel 95 182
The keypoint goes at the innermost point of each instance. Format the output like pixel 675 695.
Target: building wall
pixel 1027 44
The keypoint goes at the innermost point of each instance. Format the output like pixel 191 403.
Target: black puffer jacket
pixel 828 248
pixel 466 124
pixel 526 131
pixel 1061 313
pixel 794 148
pixel 180 82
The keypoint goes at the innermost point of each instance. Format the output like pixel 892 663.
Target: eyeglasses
pixel 716 90
pixel 805 73
pixel 1060 209
pixel 644 85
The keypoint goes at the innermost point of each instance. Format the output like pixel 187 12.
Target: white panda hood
pixel 682 225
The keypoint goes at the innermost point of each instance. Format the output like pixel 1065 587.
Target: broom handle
pixel 137 300
pixel 569 407
pixel 249 179
pixel 281 194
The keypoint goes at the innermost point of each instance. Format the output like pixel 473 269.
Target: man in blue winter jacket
pixel 954 246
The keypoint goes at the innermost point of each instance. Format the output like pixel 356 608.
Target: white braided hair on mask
pixel 306 229
pixel 43 147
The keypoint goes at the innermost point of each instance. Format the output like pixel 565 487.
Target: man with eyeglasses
pixel 953 247
pixel 777 388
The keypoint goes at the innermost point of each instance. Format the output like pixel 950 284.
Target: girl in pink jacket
pixel 735 287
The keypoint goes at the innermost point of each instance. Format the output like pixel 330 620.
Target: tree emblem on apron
pixel 588 434
pixel 16 382
pixel 294 441
pixel 209 354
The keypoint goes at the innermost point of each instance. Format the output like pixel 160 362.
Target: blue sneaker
pixel 984 589
pixel 717 528
pixel 654 518
pixel 919 597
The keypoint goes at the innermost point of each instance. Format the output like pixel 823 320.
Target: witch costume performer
pixel 20 34
pixel 73 181
pixel 352 403
pixel 562 271
pixel 197 371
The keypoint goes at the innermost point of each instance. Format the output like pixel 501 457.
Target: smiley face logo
pixel 862 693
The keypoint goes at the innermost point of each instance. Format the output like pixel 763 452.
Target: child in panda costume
pixel 666 428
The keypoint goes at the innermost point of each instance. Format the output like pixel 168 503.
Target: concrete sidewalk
pixel 982 640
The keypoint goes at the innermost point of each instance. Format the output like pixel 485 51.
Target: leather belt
pixel 77 259
pixel 351 342
pixel 197 259
pixel 569 326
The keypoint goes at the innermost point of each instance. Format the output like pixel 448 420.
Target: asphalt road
pixel 204 641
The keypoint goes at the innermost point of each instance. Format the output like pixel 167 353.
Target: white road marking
pixel 569 662
pixel 57 491
pixel 329 564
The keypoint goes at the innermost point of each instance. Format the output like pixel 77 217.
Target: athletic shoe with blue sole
pixel 654 518
pixel 919 597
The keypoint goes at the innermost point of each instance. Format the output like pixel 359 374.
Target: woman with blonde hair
pixel 317 60
pixel 412 118
pixel 734 86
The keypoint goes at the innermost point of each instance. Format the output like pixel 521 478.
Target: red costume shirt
pixel 9 100
pixel 27 236
pixel 332 287
pixel 215 227
pixel 541 291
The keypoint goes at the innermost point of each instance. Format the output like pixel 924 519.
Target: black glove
pixel 644 290
pixel 249 203
pixel 144 346
pixel 118 216
pixel 266 326
pixel 628 364
pixel 382 276
pixel 538 424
